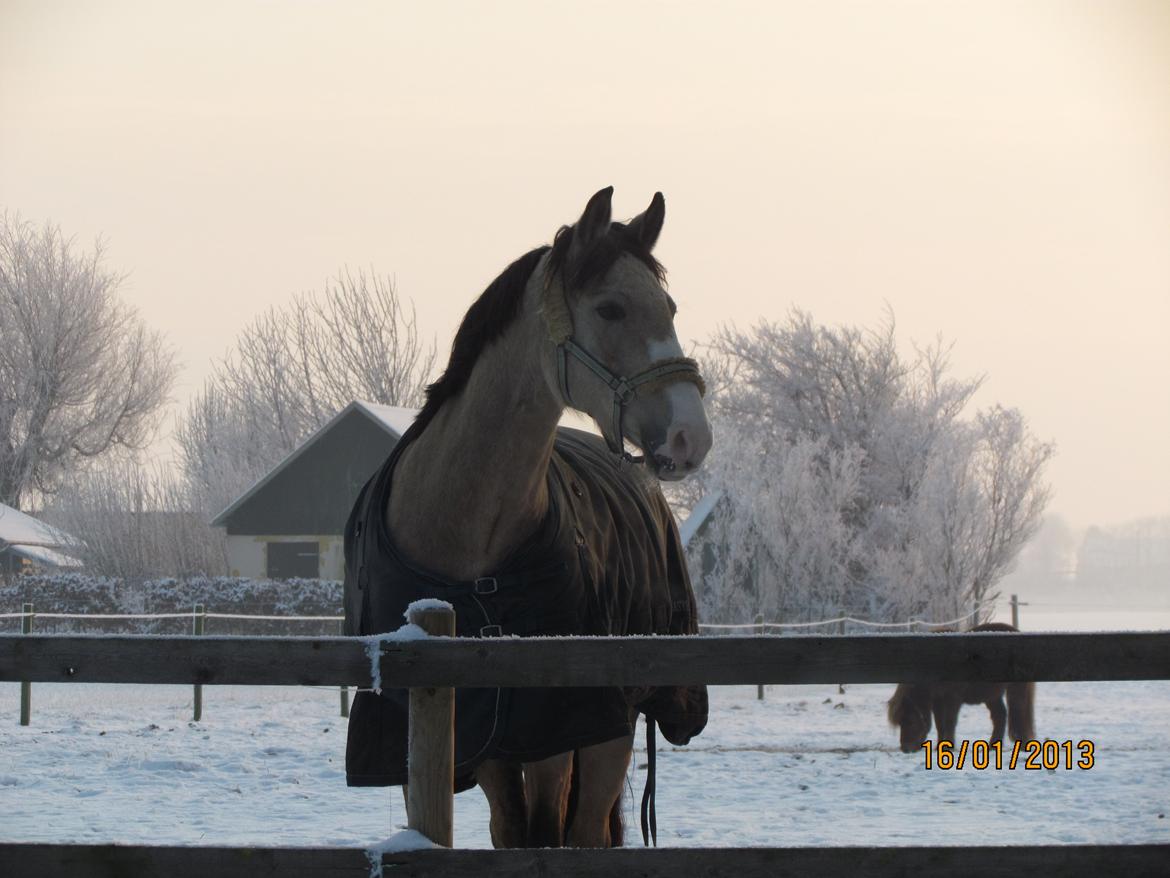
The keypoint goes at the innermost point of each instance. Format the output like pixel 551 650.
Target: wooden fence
pixel 433 664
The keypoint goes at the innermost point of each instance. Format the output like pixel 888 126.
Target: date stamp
pixel 1028 755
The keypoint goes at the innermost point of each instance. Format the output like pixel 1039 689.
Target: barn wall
pixel 315 492
pixel 248 555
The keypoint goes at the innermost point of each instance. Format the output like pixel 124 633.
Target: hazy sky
pixel 997 172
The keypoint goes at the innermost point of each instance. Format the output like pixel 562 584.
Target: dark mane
pixel 499 305
pixel 485 321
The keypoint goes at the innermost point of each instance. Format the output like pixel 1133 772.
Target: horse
pixel 912 705
pixel 527 528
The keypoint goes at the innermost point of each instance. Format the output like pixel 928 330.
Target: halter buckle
pixel 624 391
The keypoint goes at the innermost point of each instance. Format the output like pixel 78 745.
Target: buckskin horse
pixel 529 529
pixel 913 704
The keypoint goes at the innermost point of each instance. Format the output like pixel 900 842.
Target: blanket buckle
pixel 486 585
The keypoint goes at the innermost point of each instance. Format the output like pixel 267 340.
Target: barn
pixel 27 543
pixel 289 524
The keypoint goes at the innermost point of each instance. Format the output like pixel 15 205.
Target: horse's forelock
pixel 596 262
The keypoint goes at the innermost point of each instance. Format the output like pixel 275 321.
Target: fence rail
pixel 590 661
pixel 1070 861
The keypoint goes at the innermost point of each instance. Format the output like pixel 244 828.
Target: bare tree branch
pixel 79 372
pixel 292 370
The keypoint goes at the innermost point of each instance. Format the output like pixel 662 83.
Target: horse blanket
pixel 607 559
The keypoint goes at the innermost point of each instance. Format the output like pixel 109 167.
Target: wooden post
pixel 197 630
pixel 759 630
pixel 430 792
pixel 344 689
pixel 1015 611
pixel 26 627
pixel 841 631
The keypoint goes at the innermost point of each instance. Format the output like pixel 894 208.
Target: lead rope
pixel 649 818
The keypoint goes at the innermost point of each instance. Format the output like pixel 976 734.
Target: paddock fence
pixel 431 666
pixel 198 617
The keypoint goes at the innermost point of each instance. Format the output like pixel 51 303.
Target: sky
pixel 994 173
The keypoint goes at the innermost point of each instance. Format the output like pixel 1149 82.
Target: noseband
pixel 657 374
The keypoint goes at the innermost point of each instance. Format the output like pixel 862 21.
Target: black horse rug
pixel 606 560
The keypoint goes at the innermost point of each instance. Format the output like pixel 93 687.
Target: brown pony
pixel 913 704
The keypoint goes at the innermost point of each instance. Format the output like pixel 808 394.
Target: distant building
pixel 698 522
pixel 290 523
pixel 700 542
pixel 29 544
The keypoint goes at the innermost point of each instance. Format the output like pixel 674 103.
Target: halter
pixel 657 374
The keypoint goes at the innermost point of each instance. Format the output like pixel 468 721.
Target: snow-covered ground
pixel 805 766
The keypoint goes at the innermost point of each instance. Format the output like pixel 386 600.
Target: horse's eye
pixel 611 311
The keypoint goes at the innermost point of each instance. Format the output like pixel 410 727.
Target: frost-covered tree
pixel 138 520
pixel 1132 559
pixel 853 484
pixel 291 370
pixel 80 373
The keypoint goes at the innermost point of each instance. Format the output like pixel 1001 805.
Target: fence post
pixel 759 630
pixel 430 793
pixel 841 631
pixel 197 630
pixel 26 627
pixel 1015 611
pixel 344 689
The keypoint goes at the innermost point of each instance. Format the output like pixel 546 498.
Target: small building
pixel 698 522
pixel 698 540
pixel 28 544
pixel 290 523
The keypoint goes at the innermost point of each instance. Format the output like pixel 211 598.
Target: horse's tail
pixel 1021 699
pixel 617 827
pixel 571 798
pixel 894 705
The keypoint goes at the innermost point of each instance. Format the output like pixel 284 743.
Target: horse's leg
pixel 602 774
pixel 1021 699
pixel 503 784
pixel 946 718
pixel 998 718
pixel 546 784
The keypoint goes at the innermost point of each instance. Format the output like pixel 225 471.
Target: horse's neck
pixel 473 486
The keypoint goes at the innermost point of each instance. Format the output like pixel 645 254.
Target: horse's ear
pixel 648 224
pixel 594 223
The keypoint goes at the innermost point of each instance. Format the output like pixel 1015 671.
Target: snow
pixel 45 557
pixel 395 418
pixel 424 604
pixel 407 840
pixel 808 765
pixel 33 538
pixel 16 527
pixel 406 632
